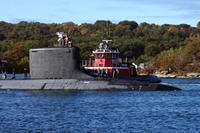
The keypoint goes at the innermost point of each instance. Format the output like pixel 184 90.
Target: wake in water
pixel 181 84
pixel 184 84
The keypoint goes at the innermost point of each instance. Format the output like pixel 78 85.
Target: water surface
pixel 102 111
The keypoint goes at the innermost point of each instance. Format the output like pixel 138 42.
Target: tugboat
pixel 107 63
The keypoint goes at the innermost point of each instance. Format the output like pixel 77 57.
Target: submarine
pixel 58 68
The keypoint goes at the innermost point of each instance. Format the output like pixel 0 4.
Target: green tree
pixel 198 24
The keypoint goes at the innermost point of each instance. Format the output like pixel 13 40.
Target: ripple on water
pixel 99 111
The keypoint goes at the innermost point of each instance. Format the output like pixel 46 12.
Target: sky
pixel 88 11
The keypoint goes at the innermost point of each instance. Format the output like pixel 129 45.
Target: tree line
pixel 175 48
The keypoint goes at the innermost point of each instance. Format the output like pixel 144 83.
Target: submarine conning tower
pixel 56 63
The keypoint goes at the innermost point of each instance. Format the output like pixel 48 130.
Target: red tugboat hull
pixel 106 63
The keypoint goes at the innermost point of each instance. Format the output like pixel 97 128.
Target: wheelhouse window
pixel 114 55
pixel 108 56
pixel 100 56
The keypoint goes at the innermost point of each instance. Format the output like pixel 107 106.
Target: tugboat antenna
pixel 108 32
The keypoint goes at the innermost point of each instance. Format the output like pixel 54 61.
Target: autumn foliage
pixel 175 48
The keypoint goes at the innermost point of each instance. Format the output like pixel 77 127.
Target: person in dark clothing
pixel 102 73
pixel 114 74
pixel 98 72
pixel 69 42
pixel 13 74
pixel 106 72
pixel 25 73
pixel 117 73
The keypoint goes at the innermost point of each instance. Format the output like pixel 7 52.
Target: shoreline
pixel 177 76
pixel 21 77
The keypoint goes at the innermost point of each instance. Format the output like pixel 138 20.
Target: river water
pixel 103 111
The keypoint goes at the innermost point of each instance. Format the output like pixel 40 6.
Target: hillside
pixel 174 48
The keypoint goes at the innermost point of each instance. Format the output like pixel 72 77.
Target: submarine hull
pixel 78 84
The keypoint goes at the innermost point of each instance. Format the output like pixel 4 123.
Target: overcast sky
pixel 88 11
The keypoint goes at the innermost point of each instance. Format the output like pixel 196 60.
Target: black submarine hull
pixel 82 84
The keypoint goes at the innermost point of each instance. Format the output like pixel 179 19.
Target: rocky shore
pixel 165 74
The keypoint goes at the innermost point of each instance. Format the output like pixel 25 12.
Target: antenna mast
pixel 108 31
